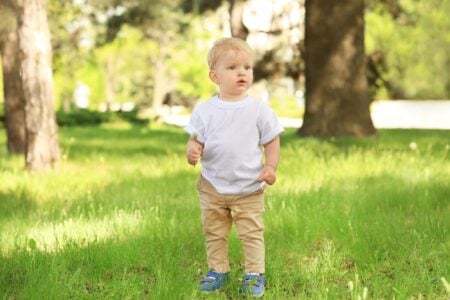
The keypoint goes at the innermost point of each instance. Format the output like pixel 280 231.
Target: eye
pixel 232 67
pixel 248 67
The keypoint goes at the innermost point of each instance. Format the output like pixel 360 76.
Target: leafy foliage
pixel 126 63
pixel 89 118
pixel 407 40
pixel 188 60
pixel 414 43
pixel 131 38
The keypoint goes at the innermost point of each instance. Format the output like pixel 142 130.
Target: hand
pixel 194 152
pixel 268 174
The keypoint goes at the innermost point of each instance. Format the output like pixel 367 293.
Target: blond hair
pixel 226 44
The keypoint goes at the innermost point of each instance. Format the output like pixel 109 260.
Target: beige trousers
pixel 219 211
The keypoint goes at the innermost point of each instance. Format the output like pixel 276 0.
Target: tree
pixel 337 98
pixel 12 85
pixel 238 28
pixel 42 149
pixel 159 22
pixel 411 39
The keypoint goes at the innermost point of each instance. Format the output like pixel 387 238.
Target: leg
pixel 217 221
pixel 248 217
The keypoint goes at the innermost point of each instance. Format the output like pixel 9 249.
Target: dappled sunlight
pixel 117 125
pixel 122 142
pixel 338 164
pixel 69 183
pixel 320 258
pixel 88 181
pixel 113 219
pixel 81 231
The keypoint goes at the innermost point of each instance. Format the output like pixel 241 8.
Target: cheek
pixel 224 79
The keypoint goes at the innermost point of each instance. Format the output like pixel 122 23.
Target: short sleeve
pixel 196 126
pixel 268 125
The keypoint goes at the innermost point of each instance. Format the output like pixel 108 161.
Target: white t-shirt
pixel 233 134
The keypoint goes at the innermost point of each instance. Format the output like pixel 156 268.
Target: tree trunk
pixel 237 25
pixel 161 82
pixel 159 85
pixel 110 90
pixel 42 149
pixel 14 101
pixel 337 96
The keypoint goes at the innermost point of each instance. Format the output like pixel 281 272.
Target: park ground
pixel 120 219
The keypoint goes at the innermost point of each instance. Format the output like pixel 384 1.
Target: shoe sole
pixel 254 296
pixel 211 292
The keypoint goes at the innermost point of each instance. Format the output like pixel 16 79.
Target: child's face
pixel 233 73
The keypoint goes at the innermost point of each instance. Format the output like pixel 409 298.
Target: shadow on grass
pixel 80 142
pixel 391 228
pixel 16 203
pixel 382 228
pixel 386 138
pixel 388 230
pixel 137 192
pixel 132 264
pixel 138 266
pixel 160 258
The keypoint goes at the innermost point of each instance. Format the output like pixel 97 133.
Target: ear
pixel 213 76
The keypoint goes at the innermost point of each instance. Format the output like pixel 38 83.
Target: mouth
pixel 242 82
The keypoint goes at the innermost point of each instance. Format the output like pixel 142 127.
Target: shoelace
pixel 210 279
pixel 258 281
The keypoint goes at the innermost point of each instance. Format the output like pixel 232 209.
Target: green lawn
pixel 121 219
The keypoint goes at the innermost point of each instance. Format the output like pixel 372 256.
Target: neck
pixel 232 98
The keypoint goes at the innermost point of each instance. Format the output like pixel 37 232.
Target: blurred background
pixel 359 212
pixel 151 55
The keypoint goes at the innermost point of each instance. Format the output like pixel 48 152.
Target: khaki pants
pixel 218 213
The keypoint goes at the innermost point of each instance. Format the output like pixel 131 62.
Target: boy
pixel 228 133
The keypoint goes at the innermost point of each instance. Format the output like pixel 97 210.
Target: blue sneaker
pixel 213 281
pixel 254 285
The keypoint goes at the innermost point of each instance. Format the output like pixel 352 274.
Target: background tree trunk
pixel 159 83
pixel 237 26
pixel 14 101
pixel 42 149
pixel 110 90
pixel 337 97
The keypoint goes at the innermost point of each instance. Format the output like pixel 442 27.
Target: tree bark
pixel 238 28
pixel 14 100
pixel 110 90
pixel 42 149
pixel 159 84
pixel 337 96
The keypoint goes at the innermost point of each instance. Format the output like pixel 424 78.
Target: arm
pixel 194 150
pixel 272 157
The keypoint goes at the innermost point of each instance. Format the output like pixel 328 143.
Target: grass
pixel 347 219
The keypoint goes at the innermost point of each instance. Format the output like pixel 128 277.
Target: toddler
pixel 236 138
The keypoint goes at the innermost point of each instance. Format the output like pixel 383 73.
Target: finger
pixel 262 177
pixel 195 152
pixel 197 145
pixel 271 180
